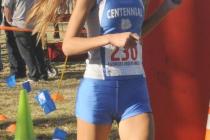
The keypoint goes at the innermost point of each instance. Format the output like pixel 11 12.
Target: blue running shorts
pixel 103 101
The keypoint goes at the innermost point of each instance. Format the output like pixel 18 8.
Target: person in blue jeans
pixel 114 84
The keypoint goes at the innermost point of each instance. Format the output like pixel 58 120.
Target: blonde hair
pixel 43 13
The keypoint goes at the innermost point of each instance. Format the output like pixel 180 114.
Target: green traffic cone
pixel 24 124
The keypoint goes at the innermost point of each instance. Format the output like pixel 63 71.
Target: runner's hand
pixel 124 40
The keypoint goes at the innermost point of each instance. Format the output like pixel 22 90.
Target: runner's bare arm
pixel 158 15
pixel 72 44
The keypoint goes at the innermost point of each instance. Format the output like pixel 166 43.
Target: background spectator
pixel 30 50
pixel 17 64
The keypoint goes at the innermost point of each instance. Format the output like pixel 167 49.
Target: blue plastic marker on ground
pixel 26 85
pixel 11 81
pixel 59 134
pixel 45 101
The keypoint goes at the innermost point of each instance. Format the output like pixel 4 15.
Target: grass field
pixel 44 125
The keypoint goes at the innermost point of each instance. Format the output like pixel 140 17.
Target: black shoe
pixel 32 80
pixel 44 77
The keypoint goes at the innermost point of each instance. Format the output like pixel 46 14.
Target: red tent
pixel 177 64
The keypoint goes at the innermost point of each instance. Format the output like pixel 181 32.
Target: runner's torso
pixel 110 62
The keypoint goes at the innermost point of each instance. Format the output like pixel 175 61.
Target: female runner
pixel 114 85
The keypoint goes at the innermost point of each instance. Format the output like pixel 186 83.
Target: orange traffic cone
pixel 3 117
pixel 208 126
pixel 57 97
pixel 11 128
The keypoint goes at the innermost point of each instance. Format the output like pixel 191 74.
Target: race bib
pixel 120 61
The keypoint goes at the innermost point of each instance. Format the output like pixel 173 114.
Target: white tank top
pixel 110 62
